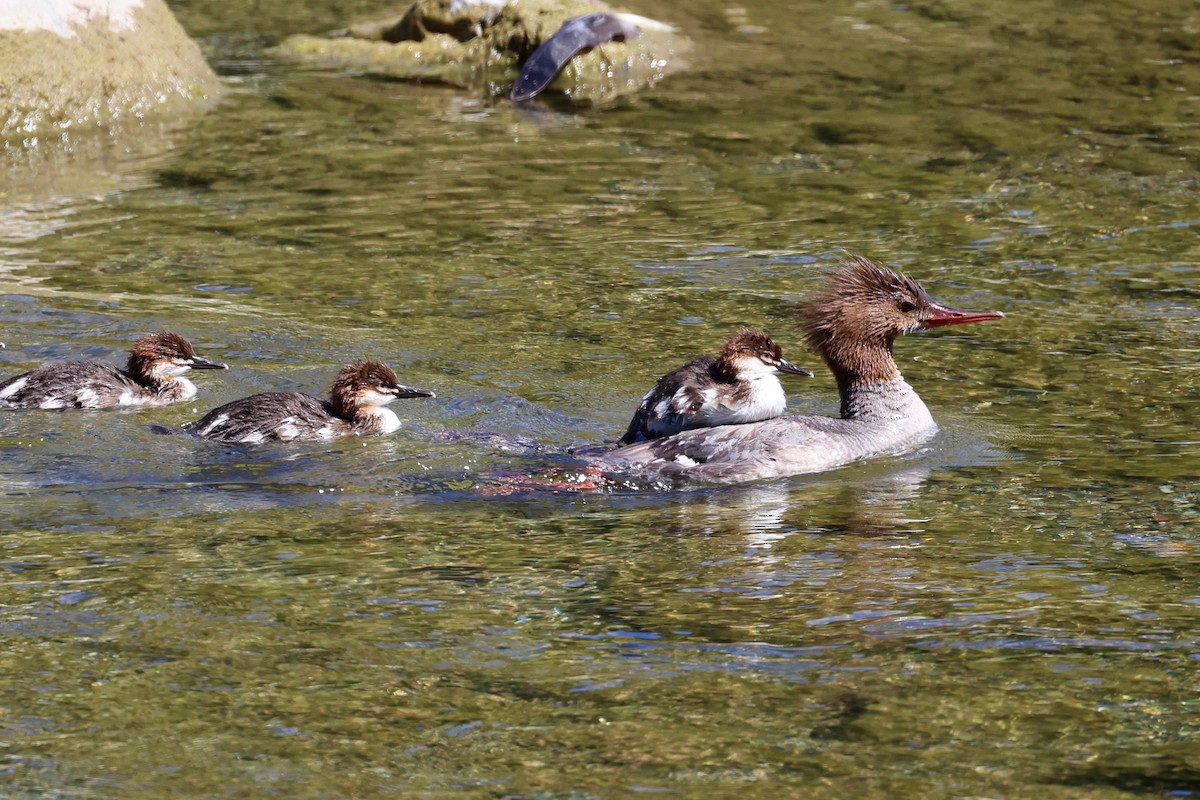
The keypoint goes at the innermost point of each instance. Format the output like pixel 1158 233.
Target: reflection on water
pixel 1008 612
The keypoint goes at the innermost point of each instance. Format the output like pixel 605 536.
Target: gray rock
pixel 71 63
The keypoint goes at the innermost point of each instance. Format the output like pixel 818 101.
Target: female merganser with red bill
pixel 852 324
pixel 153 377
pixel 739 385
pixel 355 408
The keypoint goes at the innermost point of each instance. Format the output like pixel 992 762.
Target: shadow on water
pixel 1165 771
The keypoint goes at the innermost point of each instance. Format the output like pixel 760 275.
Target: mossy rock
pixel 481 44
pixel 98 62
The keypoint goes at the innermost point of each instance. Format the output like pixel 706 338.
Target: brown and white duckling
pixel 355 408
pixel 738 385
pixel 153 377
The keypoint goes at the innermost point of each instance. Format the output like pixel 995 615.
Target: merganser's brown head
pixel 854 320
pixel 160 356
pixel 368 384
pixel 749 352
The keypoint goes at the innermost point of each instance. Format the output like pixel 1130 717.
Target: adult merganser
pixel 739 385
pixel 852 324
pixel 153 377
pixel 355 408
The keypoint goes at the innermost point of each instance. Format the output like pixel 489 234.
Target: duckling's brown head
pixel 367 383
pixel 164 354
pixel 751 351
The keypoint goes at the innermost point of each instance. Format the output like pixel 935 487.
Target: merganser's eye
pixel 906 306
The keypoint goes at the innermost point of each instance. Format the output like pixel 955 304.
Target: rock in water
pixel 474 43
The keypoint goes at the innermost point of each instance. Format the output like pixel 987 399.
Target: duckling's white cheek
pixel 373 398
pixel 168 370
pixel 756 369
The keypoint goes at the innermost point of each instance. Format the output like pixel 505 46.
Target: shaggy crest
pixel 854 319
pixel 353 379
pixel 863 301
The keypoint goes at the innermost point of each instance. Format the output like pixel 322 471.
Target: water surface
pixel 1011 611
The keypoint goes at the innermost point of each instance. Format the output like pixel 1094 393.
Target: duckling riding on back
pixel 739 385
pixel 852 324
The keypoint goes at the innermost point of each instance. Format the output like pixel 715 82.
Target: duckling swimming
pixel 355 408
pixel 153 377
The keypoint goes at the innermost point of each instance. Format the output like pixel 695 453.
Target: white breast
pixel 388 421
pixel 766 401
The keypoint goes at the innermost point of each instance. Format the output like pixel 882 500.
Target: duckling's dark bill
pixel 412 391
pixel 792 369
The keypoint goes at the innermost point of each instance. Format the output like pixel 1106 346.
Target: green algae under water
pixel 1010 612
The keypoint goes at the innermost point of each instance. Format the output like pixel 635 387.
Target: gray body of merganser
pixel 852 324
pixel 739 385
pixel 355 408
pixel 153 377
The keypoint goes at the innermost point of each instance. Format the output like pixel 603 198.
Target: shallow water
pixel 1011 611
